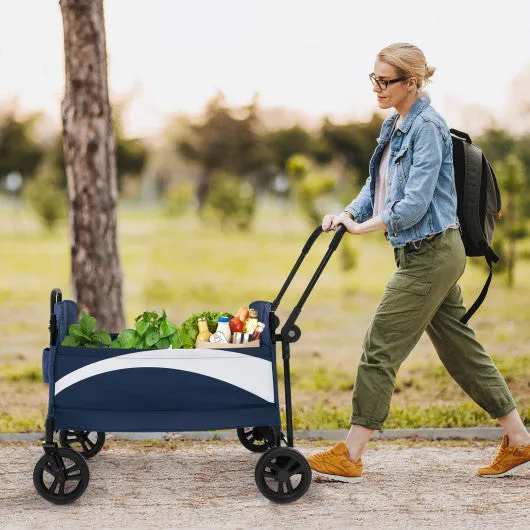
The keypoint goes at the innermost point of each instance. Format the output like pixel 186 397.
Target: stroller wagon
pixel 96 390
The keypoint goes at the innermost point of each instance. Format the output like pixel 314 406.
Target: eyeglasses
pixel 383 83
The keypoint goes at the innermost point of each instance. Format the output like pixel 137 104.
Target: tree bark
pixel 90 160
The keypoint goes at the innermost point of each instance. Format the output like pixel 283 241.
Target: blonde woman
pixel 410 195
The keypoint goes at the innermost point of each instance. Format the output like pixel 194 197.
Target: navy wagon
pixel 96 390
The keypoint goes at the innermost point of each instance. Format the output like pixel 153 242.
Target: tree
pixel 353 143
pixel 510 172
pixel 222 141
pixel 284 143
pixel 19 151
pixel 90 161
pixel 496 144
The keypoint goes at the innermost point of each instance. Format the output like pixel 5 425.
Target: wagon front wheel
pixel 61 475
pixel 283 474
pixel 88 443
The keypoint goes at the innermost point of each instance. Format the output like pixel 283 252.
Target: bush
pixel 178 199
pixel 46 199
pixel 231 201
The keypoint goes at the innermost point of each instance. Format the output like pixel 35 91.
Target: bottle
pixel 204 332
pixel 223 326
pixel 258 331
pixel 251 322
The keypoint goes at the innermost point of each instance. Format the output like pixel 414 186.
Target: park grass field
pixel 184 266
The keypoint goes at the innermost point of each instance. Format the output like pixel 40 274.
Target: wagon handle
pixel 339 232
pixel 55 297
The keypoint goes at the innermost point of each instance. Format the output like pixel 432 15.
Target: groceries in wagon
pixel 154 331
pixel 243 328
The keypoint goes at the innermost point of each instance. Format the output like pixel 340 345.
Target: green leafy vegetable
pixel 151 332
pixel 83 334
pixel 189 329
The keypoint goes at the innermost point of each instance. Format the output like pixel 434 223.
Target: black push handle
pixel 309 243
pixel 339 233
pixel 55 297
pixel 462 135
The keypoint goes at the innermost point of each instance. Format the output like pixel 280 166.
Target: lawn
pixel 185 267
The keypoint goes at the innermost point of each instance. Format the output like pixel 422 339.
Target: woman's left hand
pixel 351 226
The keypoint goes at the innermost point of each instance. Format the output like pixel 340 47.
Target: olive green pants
pixel 423 295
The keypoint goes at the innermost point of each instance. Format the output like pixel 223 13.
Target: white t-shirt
pixel 381 182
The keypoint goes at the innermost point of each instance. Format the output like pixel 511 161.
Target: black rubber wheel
pixel 61 476
pixel 257 439
pixel 283 474
pixel 88 443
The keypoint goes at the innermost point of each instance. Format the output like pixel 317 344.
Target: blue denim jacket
pixel 421 192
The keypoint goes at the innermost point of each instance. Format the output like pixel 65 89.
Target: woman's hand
pixel 330 222
pixel 345 219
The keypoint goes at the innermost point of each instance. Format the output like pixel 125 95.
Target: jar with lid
pixel 224 327
pixel 251 322
pixel 204 332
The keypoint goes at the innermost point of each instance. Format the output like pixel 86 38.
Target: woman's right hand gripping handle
pixel 328 222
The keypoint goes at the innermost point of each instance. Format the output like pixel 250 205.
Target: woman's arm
pixel 361 207
pixel 372 225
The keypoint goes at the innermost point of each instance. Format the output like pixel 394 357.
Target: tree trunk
pixel 89 152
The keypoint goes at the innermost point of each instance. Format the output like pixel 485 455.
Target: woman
pixel 410 195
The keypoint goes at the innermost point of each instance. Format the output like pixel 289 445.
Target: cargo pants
pixel 423 295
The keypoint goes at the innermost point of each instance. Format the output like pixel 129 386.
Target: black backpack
pixel 478 204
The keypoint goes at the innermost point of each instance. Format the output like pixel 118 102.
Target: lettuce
pixel 189 330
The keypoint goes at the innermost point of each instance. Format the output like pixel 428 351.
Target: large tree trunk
pixel 89 152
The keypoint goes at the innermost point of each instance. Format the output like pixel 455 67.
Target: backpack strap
pixel 491 258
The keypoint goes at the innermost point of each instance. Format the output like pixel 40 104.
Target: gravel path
pixel 211 484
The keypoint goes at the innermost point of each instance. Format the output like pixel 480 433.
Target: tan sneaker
pixel 509 458
pixel 335 464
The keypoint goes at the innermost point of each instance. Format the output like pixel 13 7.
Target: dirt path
pixel 199 484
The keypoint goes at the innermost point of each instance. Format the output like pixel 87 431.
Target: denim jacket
pixel 421 193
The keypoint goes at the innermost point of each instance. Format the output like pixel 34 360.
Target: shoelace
pixel 503 451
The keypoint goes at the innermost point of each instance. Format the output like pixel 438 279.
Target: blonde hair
pixel 409 62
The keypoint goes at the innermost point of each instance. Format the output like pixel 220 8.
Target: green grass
pixel 29 422
pixel 186 267
pixel 323 416
pixel 21 372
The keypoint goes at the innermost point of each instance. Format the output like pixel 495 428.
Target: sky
pixel 314 56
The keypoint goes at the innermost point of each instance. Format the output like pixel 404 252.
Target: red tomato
pixel 236 326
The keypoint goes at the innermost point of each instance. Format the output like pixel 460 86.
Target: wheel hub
pixel 284 475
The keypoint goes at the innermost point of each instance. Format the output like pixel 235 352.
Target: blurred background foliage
pixel 221 163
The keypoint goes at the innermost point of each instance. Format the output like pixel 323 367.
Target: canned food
pixel 237 337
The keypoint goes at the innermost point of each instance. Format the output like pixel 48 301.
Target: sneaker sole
pixel 509 472
pixel 337 478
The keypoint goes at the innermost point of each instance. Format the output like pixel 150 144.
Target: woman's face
pixel 396 93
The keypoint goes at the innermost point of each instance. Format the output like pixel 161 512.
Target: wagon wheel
pixel 61 476
pixel 258 439
pixel 283 474
pixel 88 443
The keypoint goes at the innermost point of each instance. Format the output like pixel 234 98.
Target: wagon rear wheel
pixel 258 439
pixel 88 443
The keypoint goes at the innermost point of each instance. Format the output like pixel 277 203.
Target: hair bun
pixel 429 71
